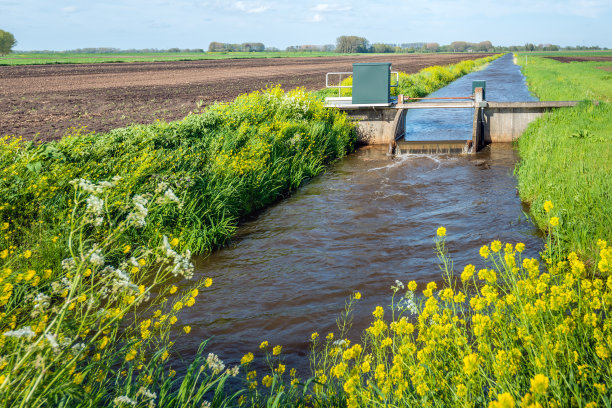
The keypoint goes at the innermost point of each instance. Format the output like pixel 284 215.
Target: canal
pixel 368 221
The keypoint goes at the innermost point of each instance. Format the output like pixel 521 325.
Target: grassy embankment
pixel 96 229
pixel 566 156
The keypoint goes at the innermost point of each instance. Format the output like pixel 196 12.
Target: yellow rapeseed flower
pixel 505 400
pixel 314 336
pixel 130 356
pixel 484 251
pixel 277 350
pixel 4 253
pixel 208 282
pixel 548 205
pixel 441 232
pixel 187 329
pixel 267 381
pixel 496 246
pixel 127 249
pixel 412 285
pixel 263 345
pixel 539 384
pixel 470 364
pixel 554 221
pixel 173 289
pixel 357 295
pixel 174 242
pixel 247 358
pixel 27 254
pixel 520 247
pixel 379 312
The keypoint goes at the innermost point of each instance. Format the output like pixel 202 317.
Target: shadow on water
pixel 365 223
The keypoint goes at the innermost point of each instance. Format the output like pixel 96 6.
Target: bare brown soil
pixel 581 58
pixel 44 101
pixel 605 68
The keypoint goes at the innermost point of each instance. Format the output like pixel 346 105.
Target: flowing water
pixel 505 83
pixel 366 222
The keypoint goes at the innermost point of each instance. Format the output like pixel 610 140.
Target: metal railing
pixel 340 86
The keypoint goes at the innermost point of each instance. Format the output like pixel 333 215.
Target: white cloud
pixel 69 9
pixel 324 7
pixel 316 18
pixel 251 6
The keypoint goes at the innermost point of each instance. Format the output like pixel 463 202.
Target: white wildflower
pixel 96 258
pixel 407 303
pixel 124 399
pixel 68 264
pixel 137 217
pixel 23 332
pixel 398 286
pixel 215 363
pixel 205 404
pixel 233 371
pixel 340 343
pixel 146 393
pixel 95 205
pixel 161 187
pixel 52 341
pixel 41 302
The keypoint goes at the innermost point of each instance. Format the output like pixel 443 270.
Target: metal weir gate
pixel 381 118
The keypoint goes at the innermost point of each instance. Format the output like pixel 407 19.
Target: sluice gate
pixel 381 117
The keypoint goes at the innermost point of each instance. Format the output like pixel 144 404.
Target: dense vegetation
pixel 96 229
pixel 566 156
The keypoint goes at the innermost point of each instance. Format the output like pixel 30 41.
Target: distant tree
pixel 459 46
pixel 329 47
pixel 432 46
pixel 7 42
pixel 253 47
pixel 483 46
pixel 529 47
pixel 216 47
pixel 380 48
pixel 351 44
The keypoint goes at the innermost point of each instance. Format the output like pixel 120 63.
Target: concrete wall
pixel 506 121
pixel 377 125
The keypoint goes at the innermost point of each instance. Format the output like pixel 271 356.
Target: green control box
pixel 480 84
pixel 371 83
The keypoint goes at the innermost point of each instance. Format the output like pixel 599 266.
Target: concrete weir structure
pixel 381 118
pixel 493 122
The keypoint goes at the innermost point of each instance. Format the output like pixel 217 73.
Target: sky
pixel 69 24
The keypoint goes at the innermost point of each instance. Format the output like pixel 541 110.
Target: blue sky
pixel 69 24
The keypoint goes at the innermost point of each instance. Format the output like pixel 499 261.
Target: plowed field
pixel 47 100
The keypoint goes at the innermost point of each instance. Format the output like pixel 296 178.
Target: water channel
pixel 366 222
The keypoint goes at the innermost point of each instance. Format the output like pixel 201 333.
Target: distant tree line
pixel 108 50
pixel 352 44
pixel 244 47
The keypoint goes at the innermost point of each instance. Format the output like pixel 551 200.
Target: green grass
pixel 566 156
pixel 74 58
pixel 585 53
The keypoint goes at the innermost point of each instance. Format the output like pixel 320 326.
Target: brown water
pixel 365 223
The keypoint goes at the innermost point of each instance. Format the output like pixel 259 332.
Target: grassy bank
pixel 98 228
pixel 566 156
